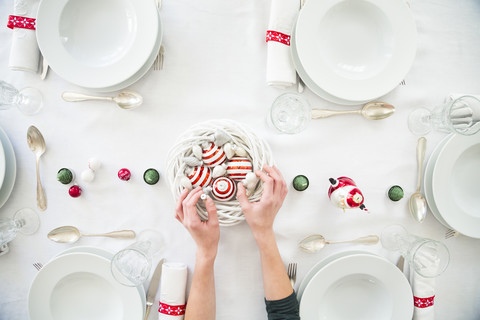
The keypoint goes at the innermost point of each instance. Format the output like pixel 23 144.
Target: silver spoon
pixel 417 203
pixel 316 242
pixel 36 143
pixel 70 234
pixel 371 111
pixel 126 99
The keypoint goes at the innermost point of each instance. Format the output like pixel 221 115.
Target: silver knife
pixel 44 69
pixel 152 290
pixel 400 263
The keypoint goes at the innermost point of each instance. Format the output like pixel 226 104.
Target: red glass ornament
pixel 75 191
pixel 124 174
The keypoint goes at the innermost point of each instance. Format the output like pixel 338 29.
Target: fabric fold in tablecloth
pixel 172 291
pixel 24 52
pixel 280 69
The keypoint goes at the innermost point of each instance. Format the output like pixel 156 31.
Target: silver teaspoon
pixel 36 143
pixel 371 111
pixel 316 242
pixel 126 99
pixel 417 203
pixel 70 234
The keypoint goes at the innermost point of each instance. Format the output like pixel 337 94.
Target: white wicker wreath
pixel 229 212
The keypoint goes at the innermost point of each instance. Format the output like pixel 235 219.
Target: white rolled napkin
pixel 173 287
pixel 423 296
pixel 24 53
pixel 280 69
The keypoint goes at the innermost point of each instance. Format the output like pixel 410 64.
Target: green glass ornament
pixel 395 193
pixel 300 183
pixel 151 176
pixel 65 176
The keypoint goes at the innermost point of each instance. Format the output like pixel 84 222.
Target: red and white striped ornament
pixel 223 189
pixel 200 176
pixel 238 167
pixel 213 155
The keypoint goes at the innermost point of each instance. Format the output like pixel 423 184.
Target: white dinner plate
pixel 309 275
pixel 97 44
pixel 360 287
pixel 311 84
pixel 427 181
pixel 2 164
pixel 79 286
pixel 456 181
pixel 107 255
pixel 356 50
pixel 10 168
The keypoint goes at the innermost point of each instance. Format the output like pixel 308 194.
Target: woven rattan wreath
pixel 256 149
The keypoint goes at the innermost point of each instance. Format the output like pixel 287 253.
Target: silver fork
pixel 38 265
pixel 450 233
pixel 292 273
pixel 158 63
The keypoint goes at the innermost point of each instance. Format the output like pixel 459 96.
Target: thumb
pixel 242 195
pixel 211 209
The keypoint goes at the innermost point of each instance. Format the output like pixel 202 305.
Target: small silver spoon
pixel 70 234
pixel 371 111
pixel 126 99
pixel 36 143
pixel 316 242
pixel 417 203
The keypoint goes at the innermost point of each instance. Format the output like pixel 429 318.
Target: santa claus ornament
pixel 344 194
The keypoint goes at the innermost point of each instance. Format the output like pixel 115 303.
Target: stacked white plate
pixel 355 285
pixel 99 45
pixel 353 51
pixel 452 181
pixel 78 284
pixel 8 167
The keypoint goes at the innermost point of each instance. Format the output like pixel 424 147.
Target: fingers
pixel 179 206
pixel 212 211
pixel 267 181
pixel 279 185
pixel 242 196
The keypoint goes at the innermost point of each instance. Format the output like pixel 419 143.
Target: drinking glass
pixel 461 115
pixel 429 258
pixel 24 221
pixel 290 113
pixel 131 266
pixel 28 100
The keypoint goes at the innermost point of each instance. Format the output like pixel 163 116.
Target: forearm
pixel 201 301
pixel 275 279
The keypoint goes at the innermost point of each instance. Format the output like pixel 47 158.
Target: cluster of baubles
pixel 217 165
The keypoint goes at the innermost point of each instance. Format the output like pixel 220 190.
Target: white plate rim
pixel 10 168
pixel 405 33
pixel 3 164
pixel 454 216
pixel 45 280
pixel 393 279
pixel 68 68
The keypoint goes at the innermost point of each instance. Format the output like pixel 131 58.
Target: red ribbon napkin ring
pixel 172 310
pixel 423 302
pixel 278 37
pixel 21 22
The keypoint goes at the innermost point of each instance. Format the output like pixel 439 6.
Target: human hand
pixel 260 215
pixel 206 234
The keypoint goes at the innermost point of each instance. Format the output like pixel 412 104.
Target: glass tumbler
pixel 28 100
pixel 24 221
pixel 290 113
pixel 429 258
pixel 131 266
pixel 461 115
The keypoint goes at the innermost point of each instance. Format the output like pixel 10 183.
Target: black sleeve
pixel 283 309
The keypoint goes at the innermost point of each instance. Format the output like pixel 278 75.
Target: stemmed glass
pixel 28 100
pixel 460 115
pixel 131 266
pixel 24 221
pixel 429 258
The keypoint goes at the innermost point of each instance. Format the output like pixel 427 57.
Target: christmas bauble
pixel 151 176
pixel 223 189
pixel 75 191
pixel 88 175
pixel 200 176
pixel 344 193
pixel 213 155
pixel 300 183
pixel 238 167
pixel 94 164
pixel 65 176
pixel 124 174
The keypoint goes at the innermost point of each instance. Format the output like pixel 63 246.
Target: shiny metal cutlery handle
pixel 76 97
pixel 371 239
pixel 325 113
pixel 421 147
pixel 41 199
pixel 123 234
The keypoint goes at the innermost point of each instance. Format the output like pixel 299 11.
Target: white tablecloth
pixel 215 68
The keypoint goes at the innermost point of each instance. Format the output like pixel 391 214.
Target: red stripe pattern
pixel 213 155
pixel 172 310
pixel 21 22
pixel 223 189
pixel 238 167
pixel 200 176
pixel 423 302
pixel 278 37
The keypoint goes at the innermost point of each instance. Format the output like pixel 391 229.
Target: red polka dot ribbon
pixel 21 22
pixel 423 302
pixel 172 310
pixel 278 37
